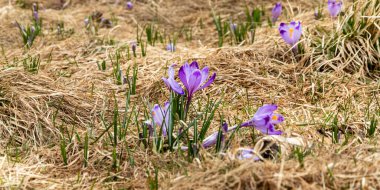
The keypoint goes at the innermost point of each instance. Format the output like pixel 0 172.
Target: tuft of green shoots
pixel 32 64
pixel 372 127
pixel 117 72
pixel 102 66
pixel 85 150
pixel 300 155
pixel 335 130
pixel 219 28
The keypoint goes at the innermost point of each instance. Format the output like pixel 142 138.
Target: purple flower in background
pixel 161 117
pixel 86 22
pixel 246 153
pixel 35 12
pixel 264 120
pixel 291 33
pixel 133 46
pixel 129 5
pixel 334 7
pixel 170 47
pixel 171 83
pixel 233 27
pixel 193 78
pixel 276 12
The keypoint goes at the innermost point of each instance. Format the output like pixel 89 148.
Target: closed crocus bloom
pixel 276 12
pixel 171 83
pixel 129 5
pixel 195 79
pixel 291 32
pixel 334 7
pixel 161 117
pixel 265 119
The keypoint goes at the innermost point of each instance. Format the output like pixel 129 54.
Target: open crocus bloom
pixel 161 118
pixel 291 33
pixel 171 83
pixel 334 7
pixel 276 12
pixel 193 78
pixel 264 120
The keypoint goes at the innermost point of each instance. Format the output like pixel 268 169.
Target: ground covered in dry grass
pixel 328 94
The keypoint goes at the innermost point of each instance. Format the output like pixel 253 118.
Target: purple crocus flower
pixel 193 78
pixel 233 27
pixel 133 46
pixel 170 47
pixel 334 7
pixel 171 83
pixel 291 33
pixel 35 11
pixel 264 120
pixel 129 5
pixel 161 117
pixel 276 12
pixel 86 22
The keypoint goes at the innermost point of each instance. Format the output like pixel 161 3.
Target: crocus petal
pixel 166 81
pixel 210 140
pixel 194 65
pixel 166 116
pixel 194 82
pixel 276 119
pixel 183 75
pixel 204 73
pixel 247 154
pixel 208 83
pixel 272 131
pixel 266 109
pixel 176 87
pixel 157 114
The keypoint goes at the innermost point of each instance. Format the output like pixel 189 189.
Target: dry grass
pixel 71 89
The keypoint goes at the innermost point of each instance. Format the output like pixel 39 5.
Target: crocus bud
pixel 86 21
pixel 170 47
pixel 334 7
pixel 276 12
pixel 233 27
pixel 129 5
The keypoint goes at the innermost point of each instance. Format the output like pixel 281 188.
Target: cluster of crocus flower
pixel 334 7
pixel 276 12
